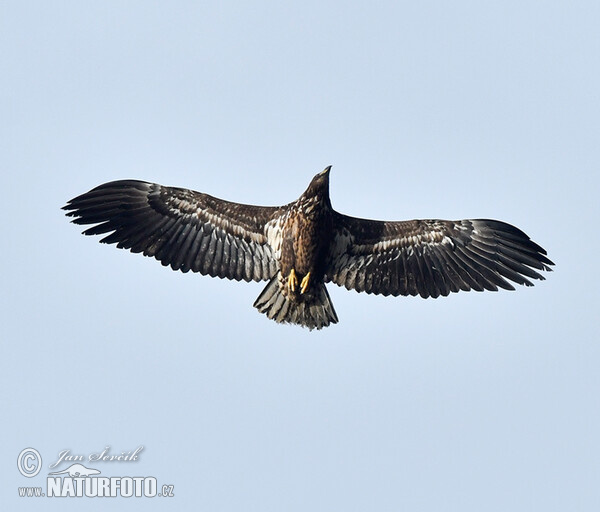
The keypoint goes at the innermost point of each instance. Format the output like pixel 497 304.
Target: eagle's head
pixel 318 190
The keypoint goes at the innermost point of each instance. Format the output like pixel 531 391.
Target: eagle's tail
pixel 312 309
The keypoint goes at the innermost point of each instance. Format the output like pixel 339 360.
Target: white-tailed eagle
pixel 303 245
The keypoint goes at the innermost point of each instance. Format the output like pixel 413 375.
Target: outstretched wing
pixel 432 257
pixel 184 229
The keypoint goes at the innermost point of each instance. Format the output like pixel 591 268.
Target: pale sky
pixel 478 401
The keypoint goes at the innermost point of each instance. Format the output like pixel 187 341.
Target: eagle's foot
pixel 292 280
pixel 304 283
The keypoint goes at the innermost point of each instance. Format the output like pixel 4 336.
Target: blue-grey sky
pixel 478 401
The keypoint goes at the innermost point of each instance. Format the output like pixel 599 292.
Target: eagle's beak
pixel 325 171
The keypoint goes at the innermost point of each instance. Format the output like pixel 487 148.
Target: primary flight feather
pixel 301 246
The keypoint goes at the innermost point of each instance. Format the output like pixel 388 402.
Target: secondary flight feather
pixel 301 246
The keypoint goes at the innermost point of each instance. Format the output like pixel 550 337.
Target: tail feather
pixel 313 309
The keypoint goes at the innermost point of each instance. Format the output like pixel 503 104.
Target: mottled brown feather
pixel 431 257
pixel 179 227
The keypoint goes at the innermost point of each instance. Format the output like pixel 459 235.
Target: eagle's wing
pixel 179 227
pixel 431 257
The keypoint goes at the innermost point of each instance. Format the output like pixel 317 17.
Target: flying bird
pixel 301 246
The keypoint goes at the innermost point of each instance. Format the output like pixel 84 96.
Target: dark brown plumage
pixel 303 245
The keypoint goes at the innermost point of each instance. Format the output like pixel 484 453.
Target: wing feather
pixel 179 227
pixel 432 257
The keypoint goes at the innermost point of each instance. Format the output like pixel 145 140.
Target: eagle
pixel 301 246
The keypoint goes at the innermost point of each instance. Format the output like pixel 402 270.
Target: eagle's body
pixel 303 245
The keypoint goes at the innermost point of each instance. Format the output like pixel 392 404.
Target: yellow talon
pixel 293 280
pixel 304 283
